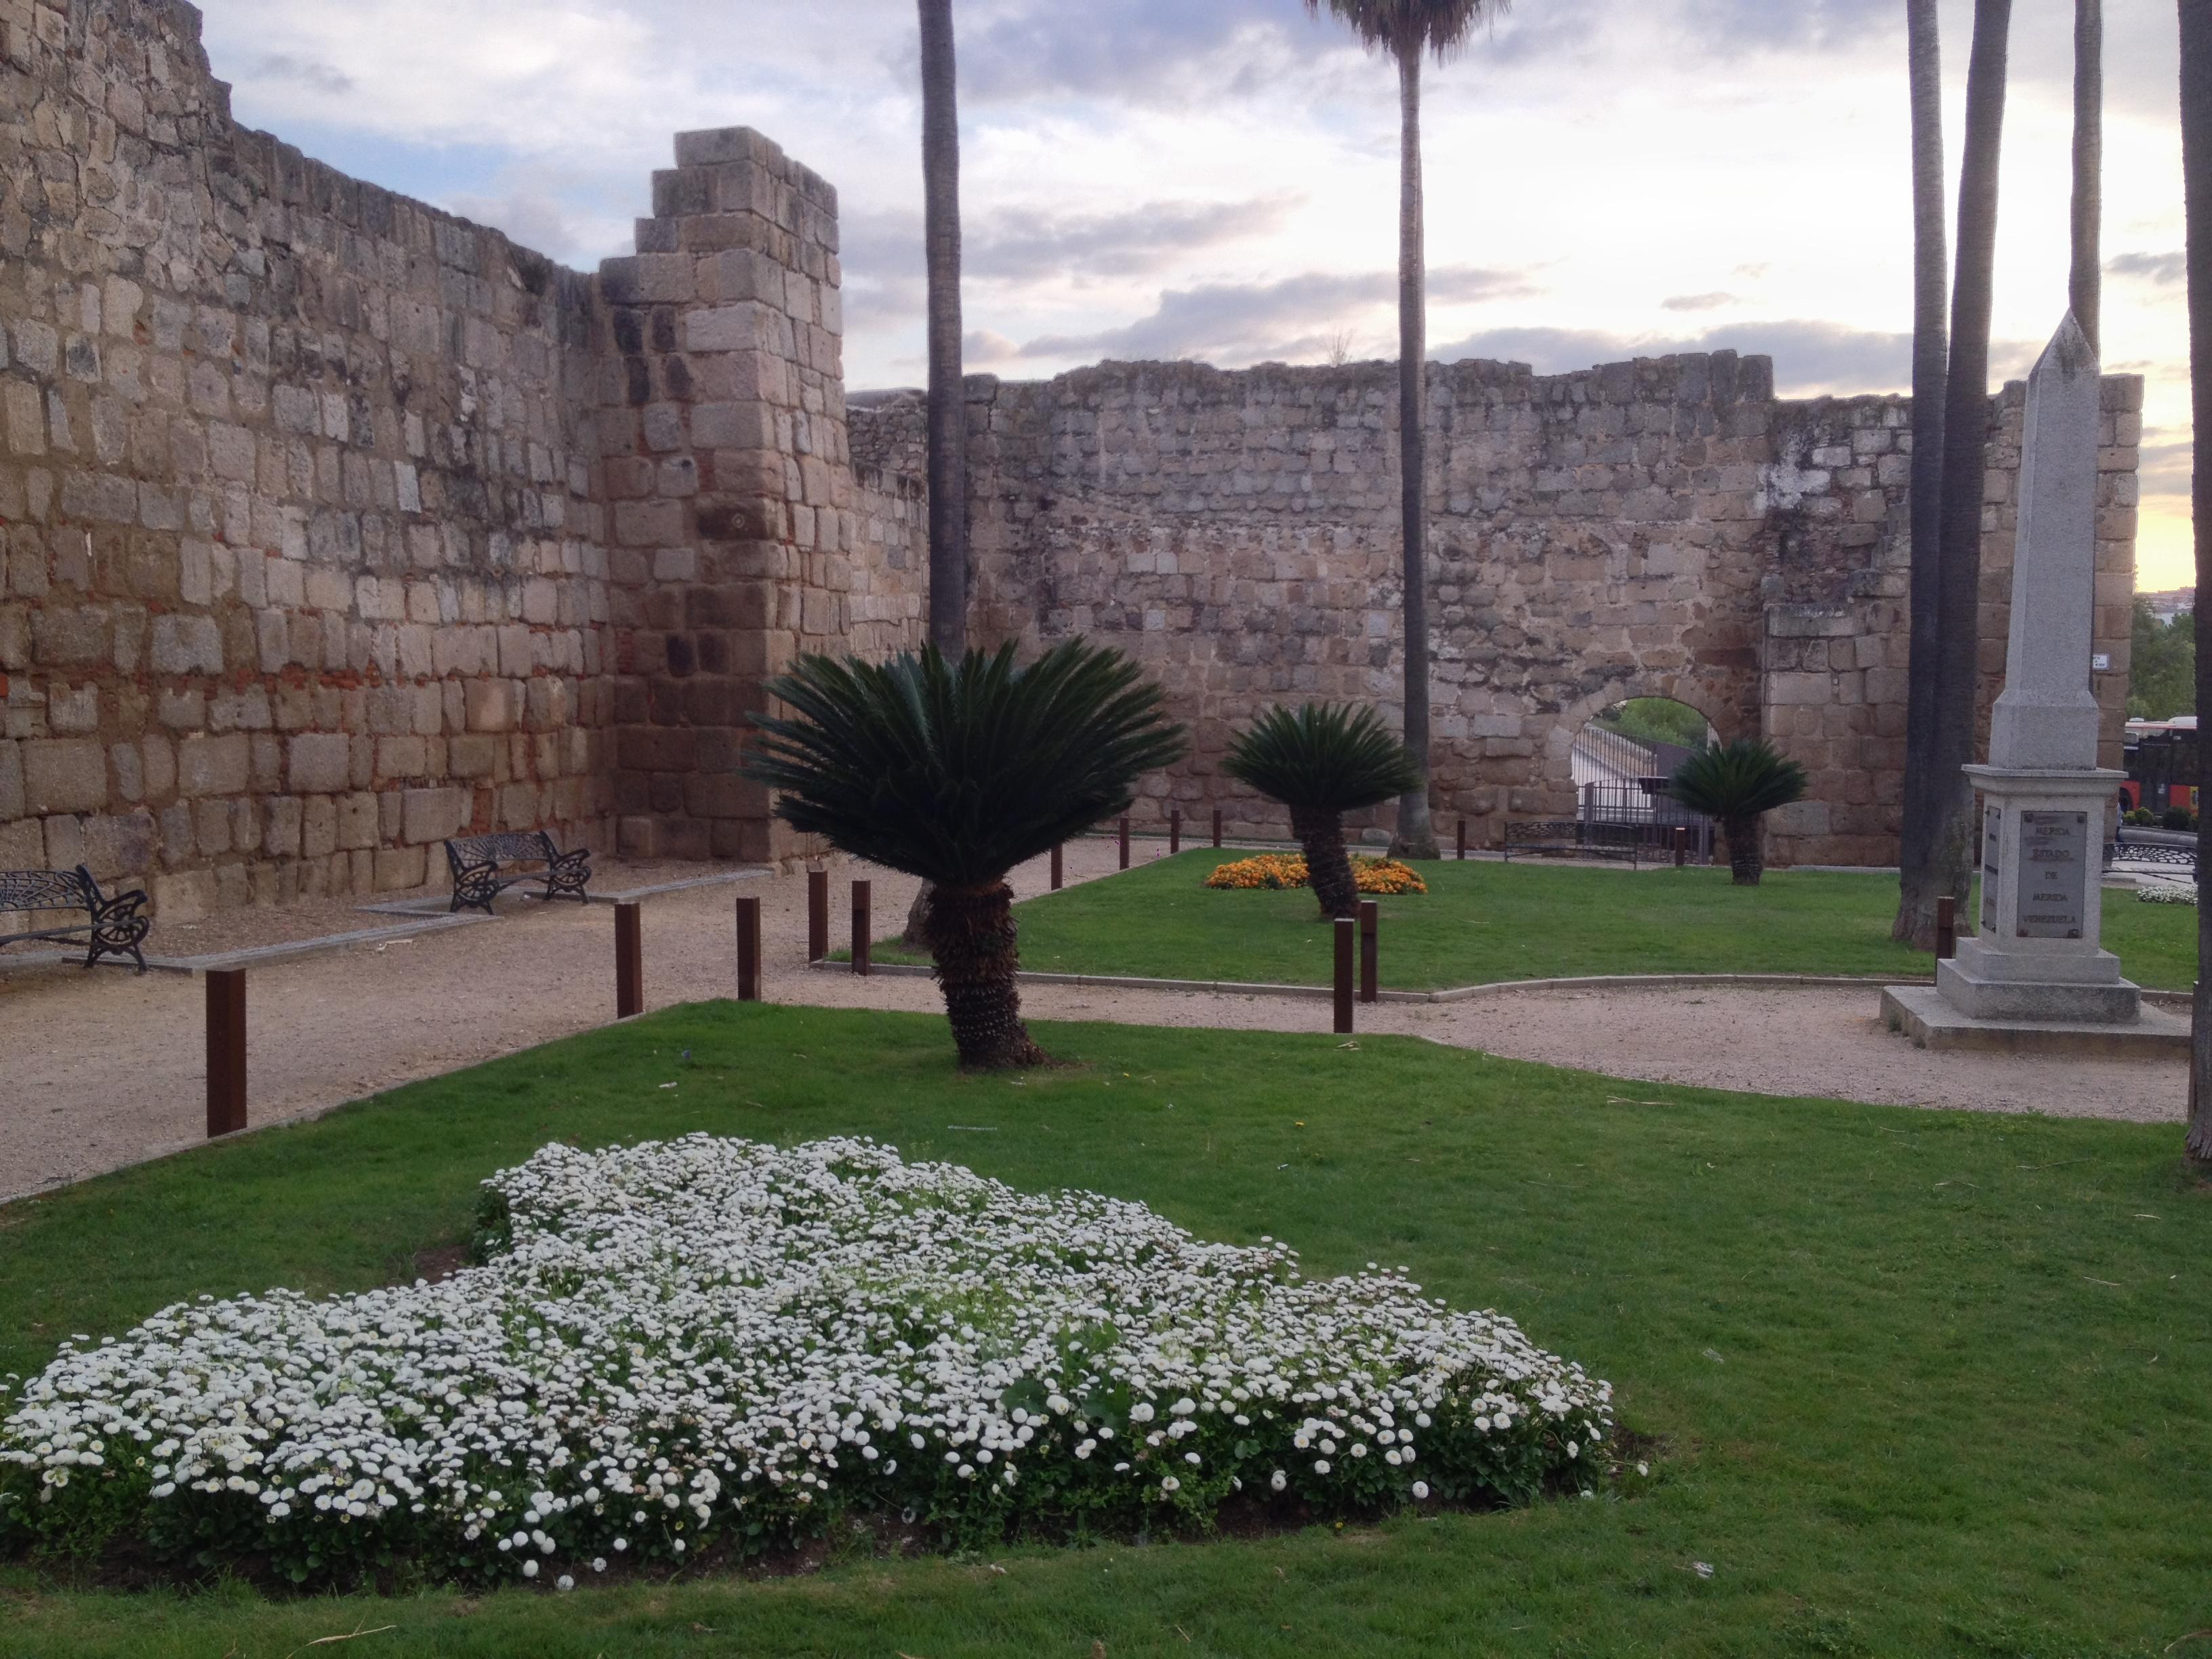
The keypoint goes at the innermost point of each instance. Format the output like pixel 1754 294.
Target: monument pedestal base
pixel 1991 984
pixel 1923 1013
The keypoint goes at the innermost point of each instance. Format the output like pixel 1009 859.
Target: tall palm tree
pixel 2197 184
pixel 1407 29
pixel 2085 287
pixel 1918 886
pixel 948 398
pixel 957 771
pixel 1966 437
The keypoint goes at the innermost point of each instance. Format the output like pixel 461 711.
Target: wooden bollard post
pixel 748 950
pixel 629 962
pixel 1347 931
pixel 226 1051
pixel 1175 832
pixel 861 928
pixel 1125 843
pixel 1947 928
pixel 817 914
pixel 1681 845
pixel 1370 952
pixel 1059 873
pixel 1463 841
pixel 1217 827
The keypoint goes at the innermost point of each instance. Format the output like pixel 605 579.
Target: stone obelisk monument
pixel 2035 962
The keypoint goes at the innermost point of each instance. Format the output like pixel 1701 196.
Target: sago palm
pixel 1407 29
pixel 1736 784
pixel 956 773
pixel 1323 761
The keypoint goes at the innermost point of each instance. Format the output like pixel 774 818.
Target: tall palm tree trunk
pixel 1328 868
pixel 1919 886
pixel 971 939
pixel 2086 285
pixel 2196 179
pixel 1966 437
pixel 1414 839
pixel 948 400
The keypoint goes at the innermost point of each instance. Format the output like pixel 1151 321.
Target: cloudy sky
pixel 1217 178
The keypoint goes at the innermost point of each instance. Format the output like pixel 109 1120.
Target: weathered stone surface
pixel 63 775
pixel 319 763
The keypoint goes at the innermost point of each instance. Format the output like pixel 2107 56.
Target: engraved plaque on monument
pixel 1992 831
pixel 2053 874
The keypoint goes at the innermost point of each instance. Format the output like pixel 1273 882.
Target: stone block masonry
pixel 1664 527
pixel 331 524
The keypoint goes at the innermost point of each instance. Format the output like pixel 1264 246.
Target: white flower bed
pixel 2167 892
pixel 718 1342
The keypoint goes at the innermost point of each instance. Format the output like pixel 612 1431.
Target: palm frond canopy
pixel 957 772
pixel 1734 781
pixel 1439 26
pixel 1335 756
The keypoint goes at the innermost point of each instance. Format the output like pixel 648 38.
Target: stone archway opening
pixel 1623 757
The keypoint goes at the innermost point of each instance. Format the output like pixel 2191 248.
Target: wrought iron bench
pixel 483 867
pixel 1572 838
pixel 112 927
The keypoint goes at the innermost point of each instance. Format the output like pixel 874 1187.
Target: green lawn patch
pixel 1482 921
pixel 1926 1383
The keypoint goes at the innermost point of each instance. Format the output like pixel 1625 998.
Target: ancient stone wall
pixel 1662 528
pixel 302 568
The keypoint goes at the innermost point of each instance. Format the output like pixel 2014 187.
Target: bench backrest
pixel 46 890
pixel 509 848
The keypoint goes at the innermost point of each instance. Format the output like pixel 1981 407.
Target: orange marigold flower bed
pixel 1276 871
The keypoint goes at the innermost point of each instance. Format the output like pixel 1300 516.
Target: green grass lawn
pixel 1927 1383
pixel 1483 922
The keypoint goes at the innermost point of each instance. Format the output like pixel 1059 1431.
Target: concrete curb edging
pixel 1457 994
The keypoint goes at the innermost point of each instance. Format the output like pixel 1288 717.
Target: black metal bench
pixel 1572 838
pixel 484 867
pixel 112 927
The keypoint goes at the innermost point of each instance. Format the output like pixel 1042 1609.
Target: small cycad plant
pixel 1736 784
pixel 956 773
pixel 1322 761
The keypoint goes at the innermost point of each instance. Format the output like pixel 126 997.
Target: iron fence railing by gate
pixel 1644 804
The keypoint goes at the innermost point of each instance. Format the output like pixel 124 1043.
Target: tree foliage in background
pixel 955 772
pixel 1408 30
pixel 1736 785
pixel 1658 719
pixel 1323 761
pixel 2161 665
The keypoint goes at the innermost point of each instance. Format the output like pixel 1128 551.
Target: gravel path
pixel 105 1070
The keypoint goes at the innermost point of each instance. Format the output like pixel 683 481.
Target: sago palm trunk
pixel 1329 868
pixel 971 939
pixel 1414 839
pixel 2196 189
pixel 1746 864
pixel 1918 882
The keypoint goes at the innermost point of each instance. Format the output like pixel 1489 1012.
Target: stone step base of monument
pixel 1921 1014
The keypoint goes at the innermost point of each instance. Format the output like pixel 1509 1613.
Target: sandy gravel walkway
pixel 99 1071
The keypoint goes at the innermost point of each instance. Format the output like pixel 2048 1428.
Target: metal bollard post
pixel 862 891
pixel 1681 845
pixel 629 962
pixel 1217 827
pixel 1058 874
pixel 1947 928
pixel 748 950
pixel 226 1051
pixel 1175 832
pixel 1125 843
pixel 1346 930
pixel 1463 841
pixel 817 914
pixel 1370 952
